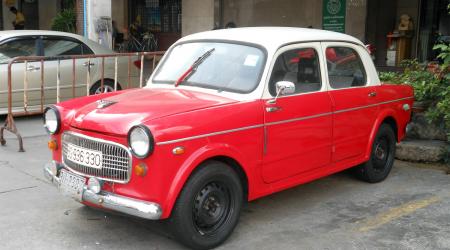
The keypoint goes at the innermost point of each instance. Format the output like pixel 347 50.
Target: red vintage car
pixel 228 117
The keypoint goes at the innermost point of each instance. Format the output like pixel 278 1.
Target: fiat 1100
pixel 228 116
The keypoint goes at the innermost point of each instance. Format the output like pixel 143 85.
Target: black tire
pixel 381 158
pixel 208 208
pixel 108 85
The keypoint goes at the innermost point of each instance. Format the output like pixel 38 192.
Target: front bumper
pixel 114 202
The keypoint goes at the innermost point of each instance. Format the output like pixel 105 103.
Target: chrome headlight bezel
pixel 52 129
pixel 145 134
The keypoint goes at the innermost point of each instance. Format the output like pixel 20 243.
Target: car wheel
pixel 108 86
pixel 208 207
pixel 382 157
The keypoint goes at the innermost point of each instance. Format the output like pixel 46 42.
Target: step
pixel 422 150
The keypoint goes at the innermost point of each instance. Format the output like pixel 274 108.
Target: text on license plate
pixel 85 157
pixel 72 184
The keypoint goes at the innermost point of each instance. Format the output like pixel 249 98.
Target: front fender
pixel 192 162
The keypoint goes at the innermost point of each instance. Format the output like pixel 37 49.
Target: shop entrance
pixel 160 17
pixel 434 27
pixel 381 19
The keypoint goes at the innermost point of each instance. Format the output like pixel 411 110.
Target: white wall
pixel 95 10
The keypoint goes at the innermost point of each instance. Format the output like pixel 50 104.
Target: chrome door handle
pixel 272 109
pixel 88 64
pixel 33 68
pixel 372 94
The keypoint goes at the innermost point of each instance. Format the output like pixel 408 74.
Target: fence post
pixel 141 79
pixel 25 86
pixel 42 86
pixel 9 123
pixel 115 73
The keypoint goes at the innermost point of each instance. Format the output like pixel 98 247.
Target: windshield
pixel 232 67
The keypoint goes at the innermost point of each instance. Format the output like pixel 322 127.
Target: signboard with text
pixel 333 17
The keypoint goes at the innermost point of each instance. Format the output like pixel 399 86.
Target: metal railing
pixel 9 122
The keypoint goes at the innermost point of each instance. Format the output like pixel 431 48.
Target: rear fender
pixel 388 112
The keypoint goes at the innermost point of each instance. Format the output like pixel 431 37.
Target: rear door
pixel 354 99
pixel 65 46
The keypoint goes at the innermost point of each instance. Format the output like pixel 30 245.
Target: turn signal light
pixel 178 151
pixel 140 169
pixel 52 145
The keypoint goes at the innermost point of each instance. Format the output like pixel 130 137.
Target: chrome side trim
pixel 210 134
pixel 279 122
pixel 371 105
pixel 299 119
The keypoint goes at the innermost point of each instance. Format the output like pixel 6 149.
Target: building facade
pixel 38 13
pixel 375 22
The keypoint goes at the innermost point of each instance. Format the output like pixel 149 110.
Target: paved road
pixel 410 210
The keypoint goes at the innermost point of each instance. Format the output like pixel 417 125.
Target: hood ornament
pixel 104 103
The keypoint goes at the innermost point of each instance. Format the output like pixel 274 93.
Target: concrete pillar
pixel 96 9
pixel 47 11
pixel 355 19
pixel 197 15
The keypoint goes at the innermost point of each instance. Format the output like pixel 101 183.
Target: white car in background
pixel 52 43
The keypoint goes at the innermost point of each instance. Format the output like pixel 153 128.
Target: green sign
pixel 333 17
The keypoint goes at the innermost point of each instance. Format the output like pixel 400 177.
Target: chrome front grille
pixel 116 162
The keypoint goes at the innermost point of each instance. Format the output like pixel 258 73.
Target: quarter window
pixel 299 66
pixel 345 68
pixel 63 47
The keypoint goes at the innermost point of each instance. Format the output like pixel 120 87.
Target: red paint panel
pixel 302 144
pixel 353 120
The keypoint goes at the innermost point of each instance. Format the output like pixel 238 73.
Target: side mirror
pixel 285 88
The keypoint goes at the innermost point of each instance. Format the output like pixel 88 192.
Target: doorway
pixel 30 9
pixel 381 19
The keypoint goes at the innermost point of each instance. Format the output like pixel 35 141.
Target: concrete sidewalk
pixel 410 210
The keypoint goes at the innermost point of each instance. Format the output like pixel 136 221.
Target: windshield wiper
pixel 194 67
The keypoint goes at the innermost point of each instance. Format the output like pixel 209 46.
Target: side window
pixel 63 47
pixel 300 66
pixel 21 47
pixel 345 68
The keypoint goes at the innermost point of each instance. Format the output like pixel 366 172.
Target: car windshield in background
pixel 232 67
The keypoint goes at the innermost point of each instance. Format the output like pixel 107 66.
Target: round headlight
pixel 141 141
pixel 51 120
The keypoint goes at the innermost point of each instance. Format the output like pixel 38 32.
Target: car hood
pixel 134 107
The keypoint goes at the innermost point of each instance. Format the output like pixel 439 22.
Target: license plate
pixel 71 184
pixel 86 157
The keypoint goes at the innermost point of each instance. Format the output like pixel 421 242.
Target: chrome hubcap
pixel 105 89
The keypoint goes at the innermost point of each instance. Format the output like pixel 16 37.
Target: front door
pixel 24 93
pixel 298 127
pixel 354 100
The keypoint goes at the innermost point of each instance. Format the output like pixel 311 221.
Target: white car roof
pixel 272 37
pixel 97 48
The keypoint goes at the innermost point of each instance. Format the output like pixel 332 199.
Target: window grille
pixel 157 15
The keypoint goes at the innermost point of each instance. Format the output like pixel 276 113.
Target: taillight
pixel 137 63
